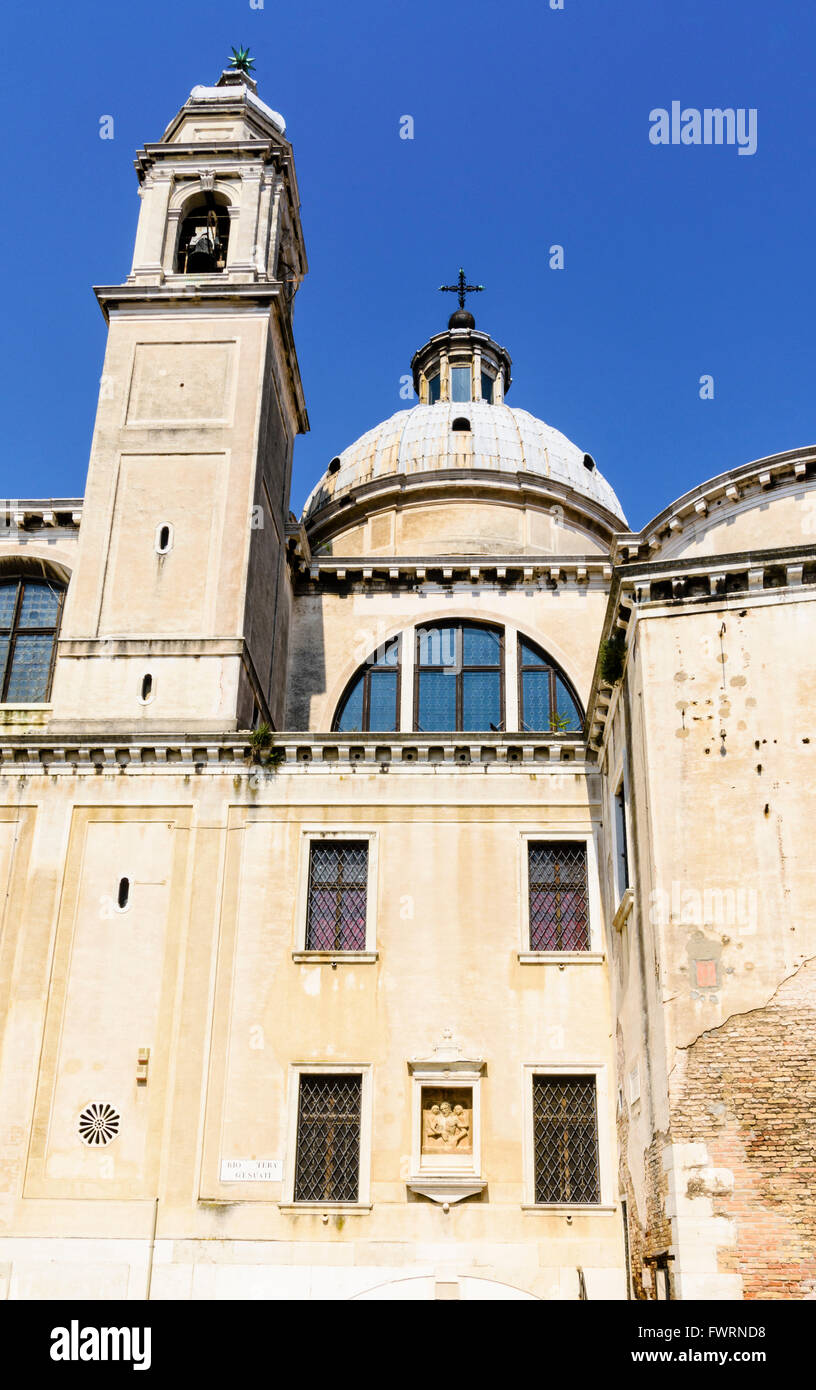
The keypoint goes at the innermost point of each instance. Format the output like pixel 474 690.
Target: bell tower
pixel 178 610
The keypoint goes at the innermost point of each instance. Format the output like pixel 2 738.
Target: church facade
pixel 410 900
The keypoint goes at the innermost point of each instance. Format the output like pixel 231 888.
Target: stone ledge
pixel 623 909
pixel 335 957
pixel 561 958
pixel 43 754
pixel 313 1208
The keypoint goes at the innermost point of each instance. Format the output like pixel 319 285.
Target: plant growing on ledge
pixel 613 651
pixel 560 723
pixel 262 752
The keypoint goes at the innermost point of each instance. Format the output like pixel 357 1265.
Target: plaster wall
pixel 201 970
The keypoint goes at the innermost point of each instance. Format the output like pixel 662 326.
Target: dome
pixel 462 437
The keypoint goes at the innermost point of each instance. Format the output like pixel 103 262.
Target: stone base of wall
pixel 206 1269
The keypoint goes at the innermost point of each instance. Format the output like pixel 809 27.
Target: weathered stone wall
pixel 713 957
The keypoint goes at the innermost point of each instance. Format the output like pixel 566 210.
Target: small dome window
pixel 589 463
pixel 164 538
pixel 123 894
pixel 461 423
pixel 334 466
pixel 146 694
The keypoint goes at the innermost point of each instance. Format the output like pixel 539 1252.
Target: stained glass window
pixel 548 703
pixel 459 678
pixel 30 612
pixel 371 701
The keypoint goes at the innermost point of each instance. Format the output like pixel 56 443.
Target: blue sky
pixel 531 129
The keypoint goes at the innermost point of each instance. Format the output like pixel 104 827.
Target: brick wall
pixel 748 1092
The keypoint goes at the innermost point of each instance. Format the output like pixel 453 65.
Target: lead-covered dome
pixel 462 437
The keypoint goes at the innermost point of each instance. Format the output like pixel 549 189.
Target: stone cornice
pixel 31 516
pixel 203 291
pixel 99 750
pixel 692 583
pixel 264 150
pixel 508 571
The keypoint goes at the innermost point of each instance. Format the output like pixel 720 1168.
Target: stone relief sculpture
pixel 446 1123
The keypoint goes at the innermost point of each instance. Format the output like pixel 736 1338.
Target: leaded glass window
pixel 565 1139
pixel 547 701
pixel 338 885
pixel 459 678
pixel 371 701
pixel 559 898
pixel 30 612
pixel 327 1163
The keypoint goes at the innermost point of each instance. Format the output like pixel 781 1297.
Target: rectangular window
pixel 460 383
pixel 337 892
pixel 621 846
pixel 559 898
pixel 487 388
pixel 327 1162
pixel 565 1140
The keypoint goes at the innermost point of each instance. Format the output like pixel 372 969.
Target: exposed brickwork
pixel 748 1092
pixel 656 1235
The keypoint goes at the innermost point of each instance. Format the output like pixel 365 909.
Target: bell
pixel 204 250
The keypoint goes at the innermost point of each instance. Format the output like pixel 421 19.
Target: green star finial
pixel 241 61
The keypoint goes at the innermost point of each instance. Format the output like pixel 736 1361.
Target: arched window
pixel 370 702
pixel 30 611
pixel 547 702
pixel 459 678
pixel 204 236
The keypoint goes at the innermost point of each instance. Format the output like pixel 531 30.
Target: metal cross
pixel 462 288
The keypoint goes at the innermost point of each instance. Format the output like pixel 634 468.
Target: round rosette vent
pixel 98 1124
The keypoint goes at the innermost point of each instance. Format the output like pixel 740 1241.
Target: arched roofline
pixel 729 491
